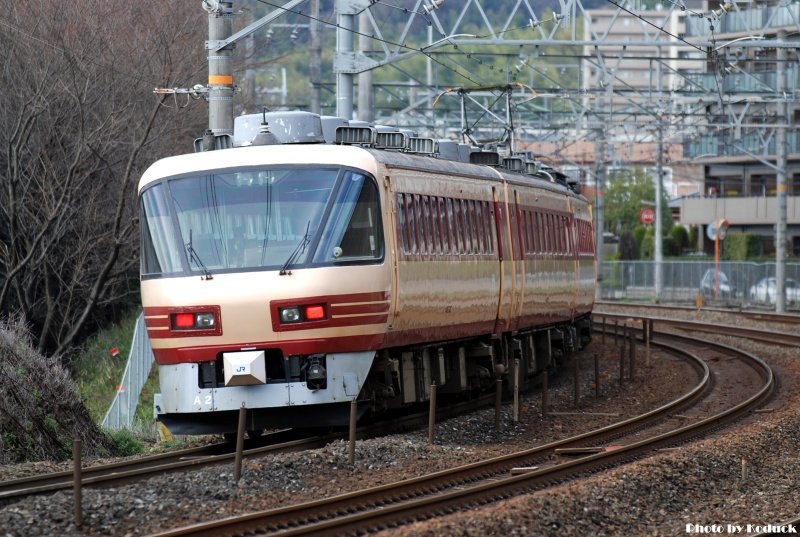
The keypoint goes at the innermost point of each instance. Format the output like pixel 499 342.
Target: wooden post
pixel 577 369
pixel 516 389
pixel 632 349
pixel 649 337
pixel 596 375
pixel 498 400
pixel 77 478
pixel 622 364
pixel 615 333
pixel 432 415
pixel 603 324
pixel 544 394
pixel 237 465
pixel 351 447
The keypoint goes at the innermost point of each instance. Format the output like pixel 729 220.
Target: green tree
pixel 680 237
pixel 628 246
pixel 627 191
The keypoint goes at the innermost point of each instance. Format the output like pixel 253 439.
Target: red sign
pixel 647 216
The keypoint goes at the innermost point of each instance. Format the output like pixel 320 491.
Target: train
pixel 319 262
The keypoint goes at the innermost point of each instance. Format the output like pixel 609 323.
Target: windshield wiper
pixel 196 258
pixel 299 249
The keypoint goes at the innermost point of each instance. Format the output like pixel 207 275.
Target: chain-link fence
pixel 140 360
pixel 735 282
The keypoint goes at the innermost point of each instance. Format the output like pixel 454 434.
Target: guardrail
pixel 682 280
pixel 140 360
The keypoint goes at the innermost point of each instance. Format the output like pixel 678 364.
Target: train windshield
pixel 263 218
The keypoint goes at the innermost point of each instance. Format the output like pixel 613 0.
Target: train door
pixel 518 290
pixel 573 236
pixel 506 254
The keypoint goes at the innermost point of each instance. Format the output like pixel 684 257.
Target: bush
pixel 741 246
pixel 125 442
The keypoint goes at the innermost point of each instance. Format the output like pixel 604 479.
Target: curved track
pixel 487 481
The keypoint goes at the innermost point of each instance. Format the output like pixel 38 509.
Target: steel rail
pixel 214 454
pixel 452 489
pixel 787 339
pixel 772 317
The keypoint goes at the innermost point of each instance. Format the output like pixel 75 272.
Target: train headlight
pixel 290 315
pixel 204 320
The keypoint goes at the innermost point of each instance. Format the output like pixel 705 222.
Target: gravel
pixel 700 483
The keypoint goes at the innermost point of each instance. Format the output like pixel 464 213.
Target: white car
pixel 764 290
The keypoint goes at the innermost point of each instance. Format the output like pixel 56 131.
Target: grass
pixel 97 373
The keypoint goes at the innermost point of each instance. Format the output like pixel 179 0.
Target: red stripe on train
pixel 209 353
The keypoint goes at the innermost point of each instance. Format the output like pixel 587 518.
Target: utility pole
pixel 220 72
pixel 659 238
pixel 345 24
pixel 599 186
pixel 780 141
pixel 659 241
pixel 220 89
pixel 366 97
pixel 315 67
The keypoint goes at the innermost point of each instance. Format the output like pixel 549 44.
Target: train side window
pixel 420 213
pixel 531 232
pixel 160 251
pixel 540 232
pixel 437 236
pixel 473 224
pixel 412 223
pixel 402 221
pixel 465 227
pixel 353 230
pixel 424 227
pixel 455 228
pixel 548 233
pixel 526 236
pixel 486 221
pixel 445 232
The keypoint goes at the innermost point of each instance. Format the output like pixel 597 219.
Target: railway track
pixel 756 315
pixel 775 337
pixel 521 472
pixel 215 454
pixel 130 470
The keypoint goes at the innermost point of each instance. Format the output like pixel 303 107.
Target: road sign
pixel 647 215
pixel 717 229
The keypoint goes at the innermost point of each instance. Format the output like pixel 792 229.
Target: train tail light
pixel 200 320
pixel 302 314
pixel 315 313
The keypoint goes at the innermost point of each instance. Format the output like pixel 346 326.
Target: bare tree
pixel 81 125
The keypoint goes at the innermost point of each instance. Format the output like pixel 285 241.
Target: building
pixel 750 125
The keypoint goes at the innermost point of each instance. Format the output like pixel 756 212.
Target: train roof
pixel 302 138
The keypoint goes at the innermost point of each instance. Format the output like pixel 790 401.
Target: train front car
pixel 264 284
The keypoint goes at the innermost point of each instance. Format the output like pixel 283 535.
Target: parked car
pixel 725 288
pixel 764 290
